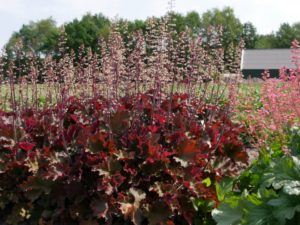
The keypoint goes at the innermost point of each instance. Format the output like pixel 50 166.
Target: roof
pixel 266 59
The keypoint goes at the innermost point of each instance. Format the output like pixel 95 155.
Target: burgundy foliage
pixel 141 160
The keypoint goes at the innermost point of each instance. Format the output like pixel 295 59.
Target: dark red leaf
pixel 188 148
pixel 159 118
pixel 119 120
pixel 26 146
pixel 153 128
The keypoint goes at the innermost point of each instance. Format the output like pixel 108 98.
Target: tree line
pixel 42 37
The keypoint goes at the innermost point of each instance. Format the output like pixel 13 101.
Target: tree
pixel 179 21
pixel 232 27
pixel 296 27
pixel 87 31
pixel 38 37
pixel 193 21
pixel 284 36
pixel 265 41
pixel 249 35
pixel 136 25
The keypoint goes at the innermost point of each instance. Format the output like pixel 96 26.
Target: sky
pixel 266 15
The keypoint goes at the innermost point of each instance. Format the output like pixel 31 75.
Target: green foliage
pixel 294 144
pixel 265 41
pixel 136 25
pixel 277 205
pixel 38 37
pixel 87 31
pixel 266 193
pixel 203 215
pixel 286 34
pixel 281 38
pixel 179 21
pixel 42 36
pixel 249 35
pixel 232 27
pixel 224 187
pixel 227 214
pixel 192 20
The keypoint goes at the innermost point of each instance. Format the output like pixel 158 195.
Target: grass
pixel 50 94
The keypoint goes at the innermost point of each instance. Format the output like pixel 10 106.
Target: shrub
pixel 138 132
pixel 266 193
pixel 88 162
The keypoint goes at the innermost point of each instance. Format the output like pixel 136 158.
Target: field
pixel 147 133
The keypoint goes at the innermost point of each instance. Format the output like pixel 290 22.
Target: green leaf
pixel 294 143
pixel 285 207
pixel 203 204
pixel 281 172
pixel 207 182
pixel 259 214
pixel 254 199
pixel 224 187
pixel 227 215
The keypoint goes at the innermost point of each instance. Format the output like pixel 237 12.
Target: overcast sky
pixel 266 15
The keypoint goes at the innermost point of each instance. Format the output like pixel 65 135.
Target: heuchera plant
pixel 86 162
pixel 268 192
pixel 272 109
pixel 134 133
